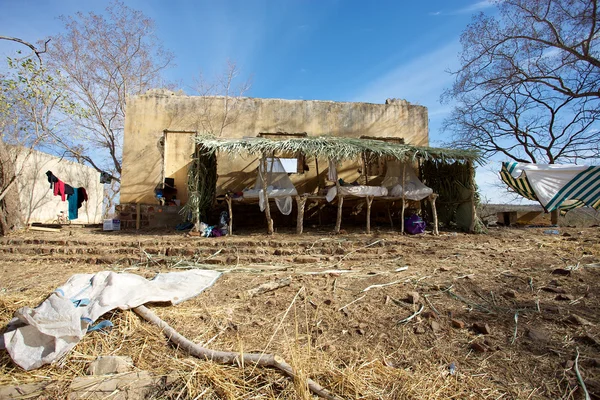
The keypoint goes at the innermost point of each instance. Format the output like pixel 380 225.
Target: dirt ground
pixel 381 316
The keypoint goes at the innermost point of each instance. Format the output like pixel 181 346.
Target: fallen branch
pixel 380 285
pixel 352 302
pixel 270 286
pixel 579 378
pixel 412 316
pixel 229 357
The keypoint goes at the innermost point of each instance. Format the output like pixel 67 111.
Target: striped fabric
pixel 585 188
pixel 520 185
pixel 560 187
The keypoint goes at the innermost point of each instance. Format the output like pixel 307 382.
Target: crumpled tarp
pixel 41 335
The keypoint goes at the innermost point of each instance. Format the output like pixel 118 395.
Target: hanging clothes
pixel 76 199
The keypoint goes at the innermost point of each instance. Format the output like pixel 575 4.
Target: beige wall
pixel 149 115
pixel 38 203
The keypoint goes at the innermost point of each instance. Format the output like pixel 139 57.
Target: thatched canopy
pixel 337 148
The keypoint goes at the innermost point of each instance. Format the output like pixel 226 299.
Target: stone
pixel 577 320
pixel 564 297
pixel 553 289
pixel 478 347
pixel 482 328
pixel 569 364
pixel 587 339
pixel 129 386
pixel 328 302
pixel 561 271
pixel 28 390
pixel 306 260
pixel 436 327
pixel 413 297
pixel 105 365
pixel 458 324
pixel 419 330
pixel 429 315
pixel 537 335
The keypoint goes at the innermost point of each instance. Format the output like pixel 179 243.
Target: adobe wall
pixel 38 203
pixel 149 115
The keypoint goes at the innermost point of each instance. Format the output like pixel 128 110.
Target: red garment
pixel 59 189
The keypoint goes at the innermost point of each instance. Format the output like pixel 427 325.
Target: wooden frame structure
pixel 339 149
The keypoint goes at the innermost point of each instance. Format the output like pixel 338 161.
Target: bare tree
pixel 550 43
pixel 213 120
pixel 105 59
pixel 30 98
pixel 219 108
pixel 529 84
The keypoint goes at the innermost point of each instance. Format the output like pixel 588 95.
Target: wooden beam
pixel 301 201
pixel 369 202
pixel 138 216
pixel 270 229
pixel 403 198
pixel 338 222
pixel 230 208
pixel 432 198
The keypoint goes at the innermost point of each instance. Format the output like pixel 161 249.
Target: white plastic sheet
pixel 41 335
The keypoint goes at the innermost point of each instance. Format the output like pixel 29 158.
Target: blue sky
pixel 338 50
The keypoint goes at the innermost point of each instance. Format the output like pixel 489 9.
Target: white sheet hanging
pixel 555 184
pixel 280 187
pixel 357 191
pixel 414 189
pixel 41 335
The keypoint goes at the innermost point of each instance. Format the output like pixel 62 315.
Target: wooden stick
pixel 301 201
pixel 230 208
pixel 369 202
pixel 380 285
pixel 229 357
pixel 41 228
pixel 269 286
pixel 318 177
pixel 352 302
pixel 412 316
pixel 403 197
pixel 338 222
pixel 389 205
pixel 138 216
pixel 432 199
pixel 264 188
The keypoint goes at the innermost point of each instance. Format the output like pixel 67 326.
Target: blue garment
pixel 73 211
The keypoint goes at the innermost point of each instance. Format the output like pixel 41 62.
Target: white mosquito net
pixel 414 189
pixel 279 186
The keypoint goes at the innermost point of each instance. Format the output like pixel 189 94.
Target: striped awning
pixel 562 187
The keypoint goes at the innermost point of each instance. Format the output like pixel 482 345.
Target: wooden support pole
pixel 338 222
pixel 403 197
pixel 318 177
pixel 266 195
pixel 473 205
pixel 301 201
pixel 389 206
pixel 364 168
pixel 138 216
pixel 432 199
pixel 369 202
pixel 230 209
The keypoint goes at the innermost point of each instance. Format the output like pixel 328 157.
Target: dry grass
pixel 360 352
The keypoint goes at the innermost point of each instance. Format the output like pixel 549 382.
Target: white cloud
pixel 435 13
pixel 480 5
pixel 420 80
